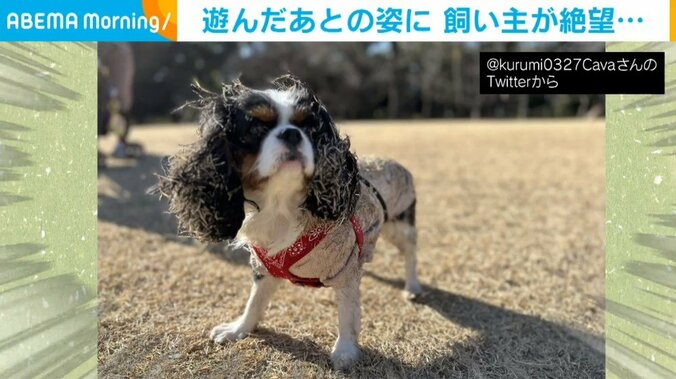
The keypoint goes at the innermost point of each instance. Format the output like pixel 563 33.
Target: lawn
pixel 511 255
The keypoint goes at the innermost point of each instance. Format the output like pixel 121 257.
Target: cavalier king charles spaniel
pixel 271 171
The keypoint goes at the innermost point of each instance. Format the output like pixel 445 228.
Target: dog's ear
pixel 334 189
pixel 202 182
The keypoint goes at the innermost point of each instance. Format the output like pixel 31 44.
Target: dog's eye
pixel 299 116
pixel 264 113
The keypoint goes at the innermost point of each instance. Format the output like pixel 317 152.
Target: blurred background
pixel 511 217
pixel 356 80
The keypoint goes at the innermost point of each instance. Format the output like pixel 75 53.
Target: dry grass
pixel 511 254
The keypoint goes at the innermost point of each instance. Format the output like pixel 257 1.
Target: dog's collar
pixel 280 264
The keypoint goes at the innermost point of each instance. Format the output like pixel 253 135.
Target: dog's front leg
pixel 261 293
pixel 346 350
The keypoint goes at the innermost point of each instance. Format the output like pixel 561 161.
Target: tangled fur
pixel 281 149
pixel 202 189
pixel 203 181
pixel 334 189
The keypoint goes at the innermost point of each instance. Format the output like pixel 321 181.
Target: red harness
pixel 279 265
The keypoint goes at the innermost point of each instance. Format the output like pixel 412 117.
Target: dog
pixel 271 171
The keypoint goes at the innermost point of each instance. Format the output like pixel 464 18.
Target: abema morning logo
pixel 92 21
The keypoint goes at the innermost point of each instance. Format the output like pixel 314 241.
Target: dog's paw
pixel 344 355
pixel 231 331
pixel 412 290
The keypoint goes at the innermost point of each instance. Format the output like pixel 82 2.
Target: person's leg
pixel 102 130
pixel 125 128
pixel 124 148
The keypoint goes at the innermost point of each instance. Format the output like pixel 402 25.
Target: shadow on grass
pixel 508 344
pixel 123 201
pixel 372 363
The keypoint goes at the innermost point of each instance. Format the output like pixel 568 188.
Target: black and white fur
pixel 271 164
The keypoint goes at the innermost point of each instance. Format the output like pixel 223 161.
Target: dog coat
pixel 280 264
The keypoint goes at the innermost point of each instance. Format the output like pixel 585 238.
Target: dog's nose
pixel 291 137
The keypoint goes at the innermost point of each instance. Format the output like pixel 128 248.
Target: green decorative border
pixel 48 210
pixel 641 228
pixel 48 217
